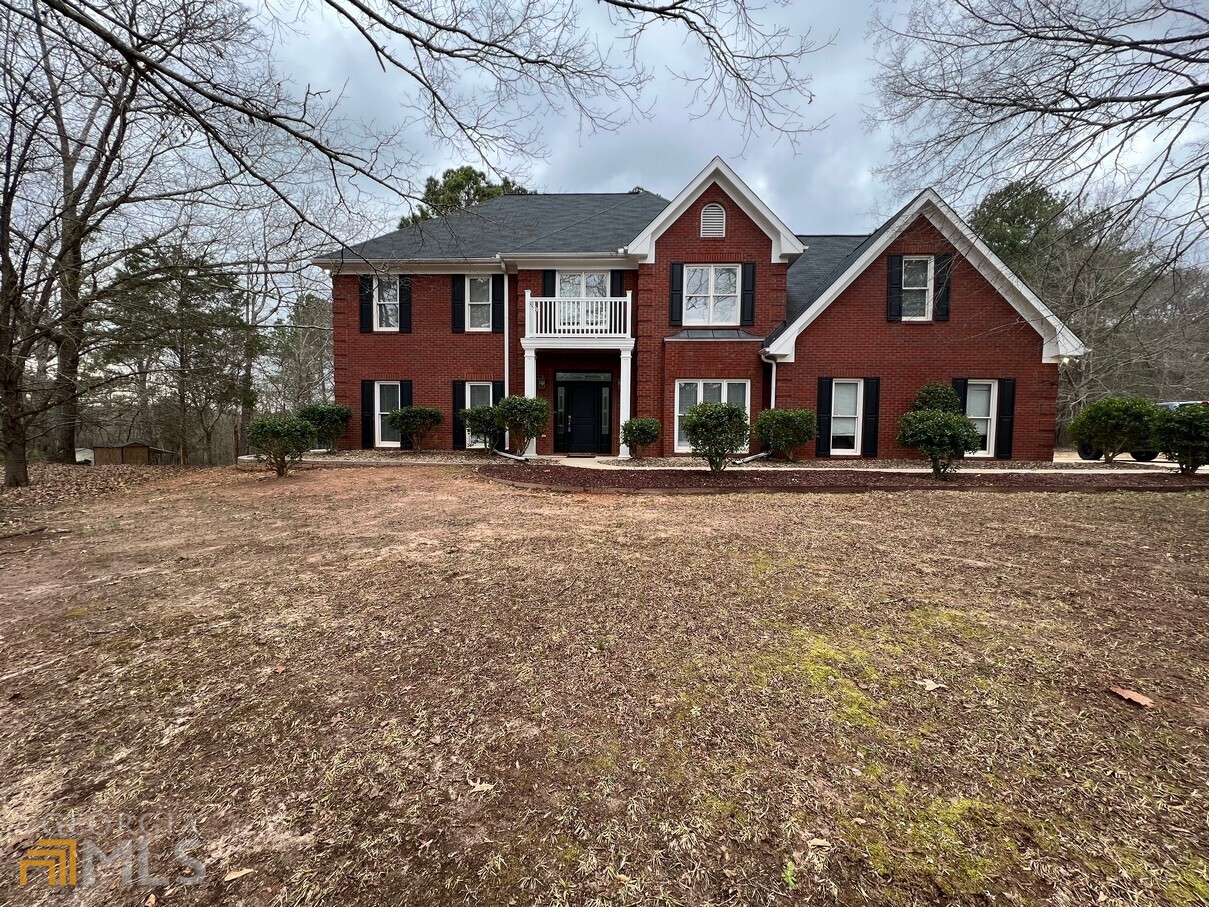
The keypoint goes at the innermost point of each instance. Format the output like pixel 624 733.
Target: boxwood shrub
pixel 716 431
pixel 280 441
pixel 639 433
pixel 414 423
pixel 783 431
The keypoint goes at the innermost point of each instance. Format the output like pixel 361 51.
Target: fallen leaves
pixel 930 685
pixel 237 874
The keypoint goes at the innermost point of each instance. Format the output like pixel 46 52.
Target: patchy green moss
pixel 1189 885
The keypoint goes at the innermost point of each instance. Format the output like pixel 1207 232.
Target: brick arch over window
pixel 713 221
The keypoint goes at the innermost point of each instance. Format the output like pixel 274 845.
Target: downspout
pixel 772 387
pixel 504 267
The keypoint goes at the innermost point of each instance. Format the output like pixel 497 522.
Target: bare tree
pixel 1075 95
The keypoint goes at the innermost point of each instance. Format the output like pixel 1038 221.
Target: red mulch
pixel 571 478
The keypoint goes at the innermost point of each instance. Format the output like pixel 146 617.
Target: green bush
pixel 414 423
pixel 1183 436
pixel 523 418
pixel 330 421
pixel 1117 424
pixel 715 431
pixel 783 431
pixel 639 433
pixel 482 424
pixel 942 437
pixel 938 397
pixel 280 441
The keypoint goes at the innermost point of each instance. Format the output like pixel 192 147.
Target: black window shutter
pixel 822 447
pixel 404 400
pixel 676 296
pixel 367 415
pixel 365 293
pixel 1005 418
pixel 458 309
pixel 747 308
pixel 616 284
pixel 894 289
pixel 944 278
pixel 497 392
pixel 459 404
pixel 960 385
pixel 405 303
pixel 497 303
pixel 548 284
pixel 870 417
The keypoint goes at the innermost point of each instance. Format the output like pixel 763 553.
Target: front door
pixel 582 416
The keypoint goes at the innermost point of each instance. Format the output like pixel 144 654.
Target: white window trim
pixel 931 288
pixel 700 381
pixel 377 305
pixel 471 444
pixel 860 418
pixel 994 414
pixel 582 275
pixel 378 414
pixel 489 303
pixel 738 296
pixel 722 210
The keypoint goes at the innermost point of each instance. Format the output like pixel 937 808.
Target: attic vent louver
pixel 713 221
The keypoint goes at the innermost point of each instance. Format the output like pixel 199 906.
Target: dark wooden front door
pixel 583 411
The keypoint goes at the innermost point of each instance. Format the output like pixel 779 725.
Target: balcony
pixel 548 317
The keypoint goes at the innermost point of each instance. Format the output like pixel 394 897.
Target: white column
pixel 531 391
pixel 623 407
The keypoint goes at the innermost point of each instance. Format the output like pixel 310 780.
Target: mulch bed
pixel 570 478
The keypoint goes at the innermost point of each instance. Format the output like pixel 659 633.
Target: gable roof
pixel 813 295
pixel 785 243
pixel 546 223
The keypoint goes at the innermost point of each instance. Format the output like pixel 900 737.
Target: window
pixel 690 392
pixel 574 286
pixel 917 287
pixel 981 403
pixel 846 416
pixel 478 303
pixel 711 294
pixel 386 398
pixel 386 303
pixel 713 221
pixel 478 393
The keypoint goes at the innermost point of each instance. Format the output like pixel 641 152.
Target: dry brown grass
pixel 413 686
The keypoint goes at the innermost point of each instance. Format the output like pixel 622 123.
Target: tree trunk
pixel 16 464
pixel 66 389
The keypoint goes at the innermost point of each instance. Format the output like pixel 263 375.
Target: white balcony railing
pixel 548 316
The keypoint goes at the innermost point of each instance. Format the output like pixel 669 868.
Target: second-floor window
pixel 918 273
pixel 478 303
pixel 386 303
pixel 583 284
pixel 711 294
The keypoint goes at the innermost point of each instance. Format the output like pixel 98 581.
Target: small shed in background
pixel 134 453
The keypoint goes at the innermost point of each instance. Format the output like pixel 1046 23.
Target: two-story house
pixel 619 305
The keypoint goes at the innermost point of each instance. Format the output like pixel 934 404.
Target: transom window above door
pixel 711 294
pixel 583 284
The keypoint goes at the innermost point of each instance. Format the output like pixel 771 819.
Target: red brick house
pixel 619 305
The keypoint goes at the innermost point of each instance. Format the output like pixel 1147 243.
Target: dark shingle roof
pixel 573 222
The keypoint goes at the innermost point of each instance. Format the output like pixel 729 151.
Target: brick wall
pixel 984 338
pixel 660 362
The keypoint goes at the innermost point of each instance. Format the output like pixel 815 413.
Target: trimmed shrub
pixel 783 431
pixel 330 421
pixel 414 423
pixel 523 418
pixel 639 433
pixel 942 437
pixel 1116 424
pixel 939 397
pixel 1183 436
pixel 482 424
pixel 715 431
pixel 280 441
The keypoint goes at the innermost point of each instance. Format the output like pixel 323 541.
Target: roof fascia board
pixel 784 243
pixel 1059 340
pixel 408 266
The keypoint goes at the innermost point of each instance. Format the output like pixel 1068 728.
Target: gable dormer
pixel 713 201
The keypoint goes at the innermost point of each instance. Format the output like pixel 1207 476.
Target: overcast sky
pixel 826 186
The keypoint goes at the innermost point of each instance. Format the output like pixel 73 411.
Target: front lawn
pixel 412 685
